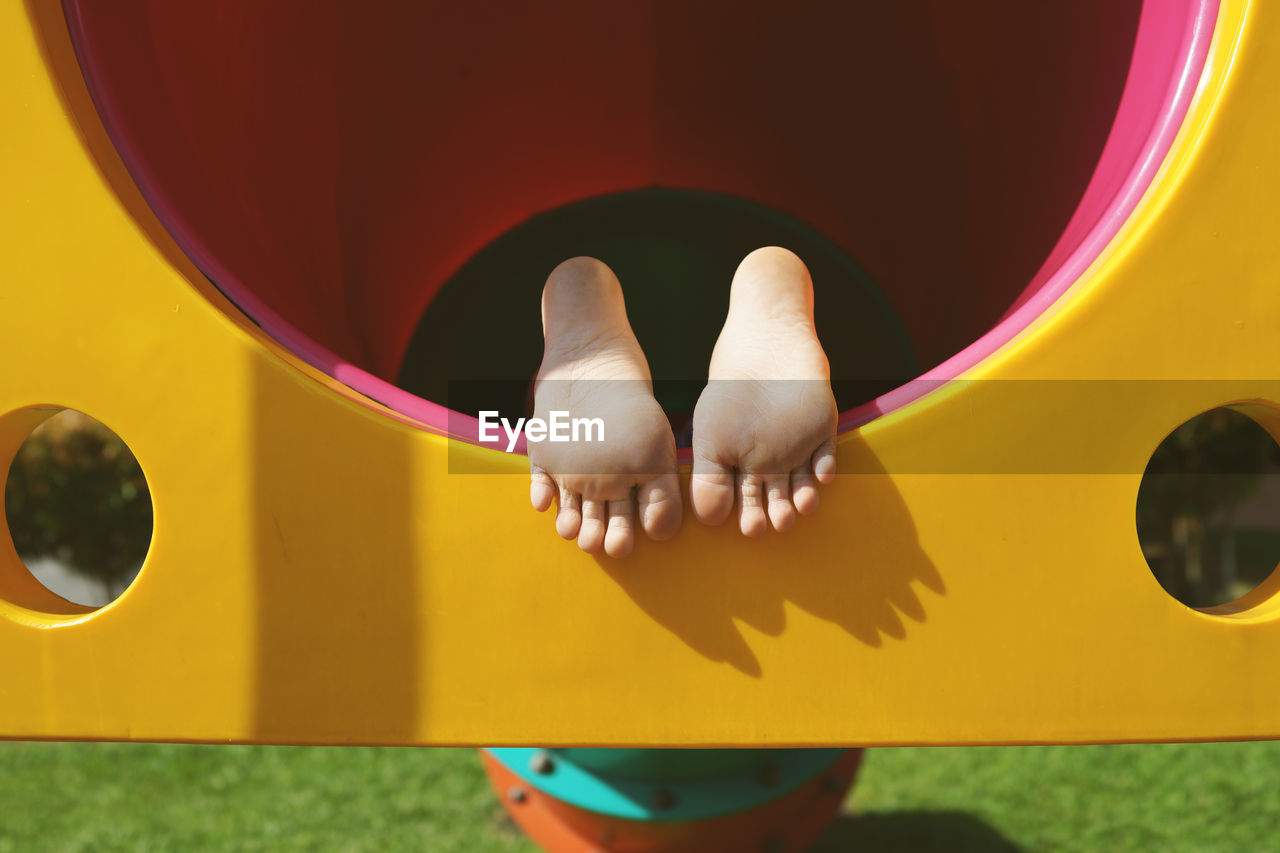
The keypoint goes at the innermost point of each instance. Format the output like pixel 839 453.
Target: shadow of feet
pixel 856 563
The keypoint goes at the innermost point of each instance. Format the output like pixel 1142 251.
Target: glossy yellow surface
pixel 318 576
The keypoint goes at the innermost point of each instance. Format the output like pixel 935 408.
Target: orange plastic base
pixel 786 825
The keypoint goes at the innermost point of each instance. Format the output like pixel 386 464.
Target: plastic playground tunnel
pixel 384 187
pixel 338 169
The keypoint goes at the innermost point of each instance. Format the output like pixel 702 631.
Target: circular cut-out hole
pixel 78 509
pixel 1208 510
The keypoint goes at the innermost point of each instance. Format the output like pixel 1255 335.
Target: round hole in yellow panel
pixel 78 509
pixel 1208 512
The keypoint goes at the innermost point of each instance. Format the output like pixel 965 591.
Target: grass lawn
pixel 69 797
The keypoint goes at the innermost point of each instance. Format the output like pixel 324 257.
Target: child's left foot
pixel 764 428
pixel 592 367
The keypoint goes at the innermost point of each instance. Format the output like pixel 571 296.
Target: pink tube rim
pixel 1170 51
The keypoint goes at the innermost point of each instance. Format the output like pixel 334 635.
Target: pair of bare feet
pixel 763 429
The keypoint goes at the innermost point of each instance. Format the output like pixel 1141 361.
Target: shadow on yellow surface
pixel 756 577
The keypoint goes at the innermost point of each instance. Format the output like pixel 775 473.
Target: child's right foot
pixel 592 367
pixel 765 426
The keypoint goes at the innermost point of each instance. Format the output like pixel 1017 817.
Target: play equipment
pixel 672 800
pixel 221 228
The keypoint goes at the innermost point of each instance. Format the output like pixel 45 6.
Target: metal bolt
pixel 517 794
pixel 663 799
pixel 541 762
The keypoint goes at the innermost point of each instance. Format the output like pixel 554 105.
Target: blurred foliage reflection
pixel 75 494
pixel 1209 508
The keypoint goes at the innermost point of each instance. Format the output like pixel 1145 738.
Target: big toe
pixel 660 507
pixel 711 490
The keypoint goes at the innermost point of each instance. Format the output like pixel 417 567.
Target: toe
pixel 781 513
pixel 659 506
pixel 804 490
pixel 751 515
pixel 711 491
pixel 569 516
pixel 591 534
pixel 542 489
pixel 620 535
pixel 824 461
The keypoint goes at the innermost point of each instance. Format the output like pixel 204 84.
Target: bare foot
pixel 592 367
pixel 764 428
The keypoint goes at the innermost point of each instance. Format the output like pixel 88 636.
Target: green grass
pixel 1166 797
pixel 69 797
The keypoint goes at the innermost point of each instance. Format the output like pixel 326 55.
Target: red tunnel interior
pixel 341 160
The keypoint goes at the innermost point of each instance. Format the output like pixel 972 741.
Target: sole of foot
pixel 764 428
pixel 607 484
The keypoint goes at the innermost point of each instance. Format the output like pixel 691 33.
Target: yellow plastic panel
pixel 318 576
